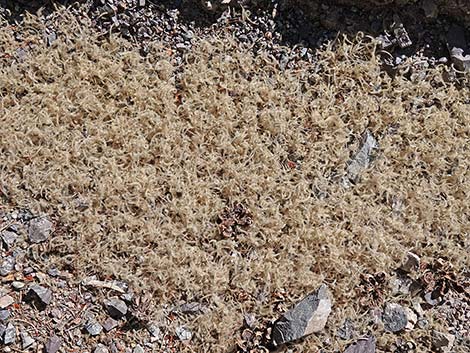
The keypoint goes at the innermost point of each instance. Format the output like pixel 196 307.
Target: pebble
pixel 26 340
pixel 138 349
pixel 110 324
pixel 365 345
pixel 40 294
pixel 100 348
pixel 117 308
pixel 53 344
pixel 346 330
pixel 411 263
pixel 442 342
pixel 9 336
pixel 306 317
pixel 394 317
pixel 183 333
pixel 6 301
pixel 7 265
pixel 9 238
pixel 17 285
pixel 363 157
pixel 412 319
pixel 93 327
pixel 39 230
pixel 4 314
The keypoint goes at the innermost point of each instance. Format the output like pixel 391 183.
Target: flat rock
pixel 93 327
pixel 183 333
pixel 365 345
pixel 117 308
pixel 394 317
pixel 26 340
pixel 442 342
pixel 7 265
pixel 363 157
pixel 9 336
pixel 40 294
pixel 6 301
pixel 39 230
pixel 346 330
pixel 9 238
pixel 110 324
pixel 4 315
pixel 100 348
pixel 306 317
pixel 53 344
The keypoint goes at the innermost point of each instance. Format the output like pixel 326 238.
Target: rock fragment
pixel 306 317
pixel 394 317
pixel 93 327
pixel 39 230
pixel 17 285
pixel 6 301
pixel 183 333
pixel 442 342
pixel 192 308
pixel 101 348
pixel 114 285
pixel 138 349
pixel 411 263
pixel 9 238
pixel 365 345
pixel 4 315
pixel 401 35
pixel 346 330
pixel 7 265
pixel 39 294
pixel 412 319
pixel 26 340
pixel 53 344
pixel 9 336
pixel 363 157
pixel 117 308
pixel 110 324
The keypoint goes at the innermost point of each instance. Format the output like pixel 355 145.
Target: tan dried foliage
pixel 140 169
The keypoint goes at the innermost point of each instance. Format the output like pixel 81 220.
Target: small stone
pixel 365 345
pixel 9 238
pixel 6 301
pixel 363 157
pixel 101 348
pixel 442 342
pixel 138 349
pixel 117 308
pixel 183 333
pixel 411 263
pixel 41 295
pixel 423 323
pixel 346 330
pixel 4 315
pixel 412 319
pixel 428 297
pixel 7 265
pixel 127 297
pixel 93 327
pixel 192 308
pixel 394 317
pixel 17 285
pixel 306 317
pixel 155 332
pixel 110 324
pixel 9 336
pixel 250 320
pixel 39 230
pixel 26 340
pixel 53 344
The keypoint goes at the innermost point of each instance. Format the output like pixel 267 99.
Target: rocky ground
pixel 51 310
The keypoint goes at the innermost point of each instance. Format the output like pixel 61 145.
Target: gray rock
pixel 9 336
pixel 9 238
pixel 17 285
pixel 183 333
pixel 2 331
pixel 346 330
pixel 93 327
pixel 26 340
pixel 100 348
pixel 411 263
pixel 192 308
pixel 41 295
pixel 53 344
pixel 4 314
pixel 39 230
pixel 7 265
pixel 250 320
pixel 365 345
pixel 117 308
pixel 306 317
pixel 363 157
pixel 394 317
pixel 442 342
pixel 6 301
pixel 138 349
pixel 110 324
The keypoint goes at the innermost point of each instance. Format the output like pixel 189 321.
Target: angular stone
pixel 412 319
pixel 117 308
pixel 9 336
pixel 39 230
pixel 4 315
pixel 346 330
pixel 100 348
pixel 363 157
pixel 6 301
pixel 442 342
pixel 183 333
pixel 394 317
pixel 138 349
pixel 53 344
pixel 9 238
pixel 93 327
pixel 26 340
pixel 306 317
pixel 17 285
pixel 365 345
pixel 40 294
pixel 411 263
pixel 110 324
pixel 7 265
